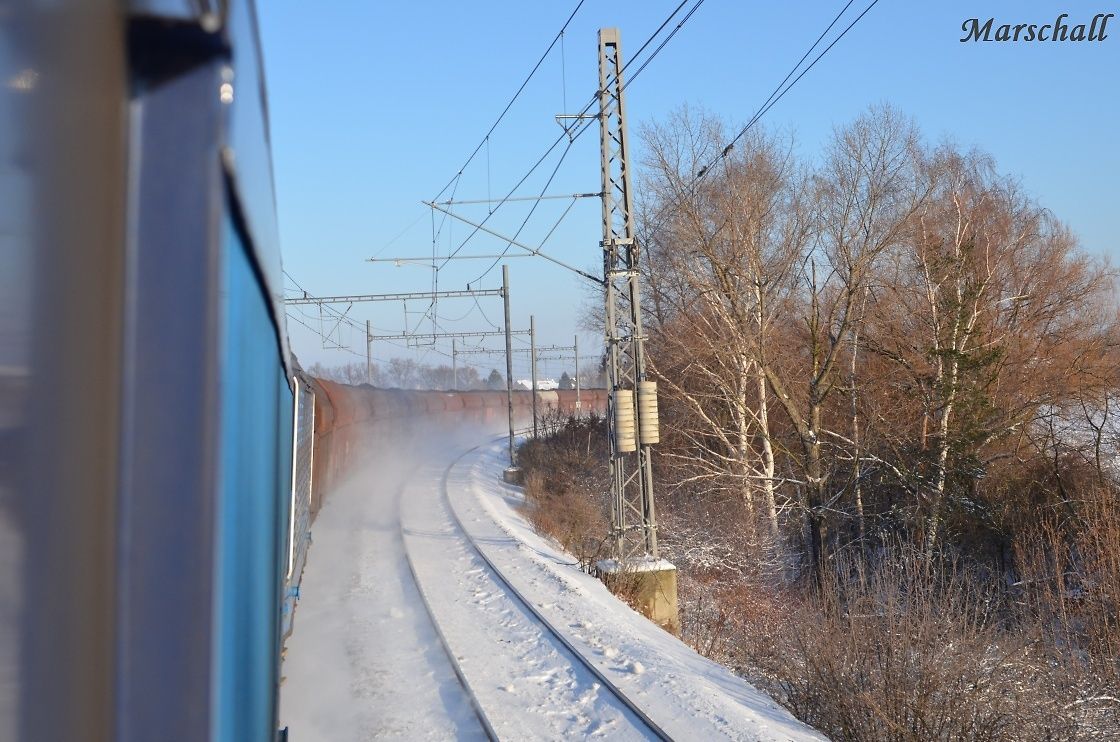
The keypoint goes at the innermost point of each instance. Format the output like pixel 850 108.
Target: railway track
pixel 501 714
pixel 480 713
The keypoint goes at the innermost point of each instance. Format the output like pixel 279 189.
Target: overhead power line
pixel 567 134
pixel 486 138
pixel 399 261
pixel 342 319
pixel 779 92
pixel 443 335
pixel 582 117
pixel 484 142
pixel 341 316
pixel 512 241
pixel 353 298
pixel 664 41
pixel 320 334
pixel 521 198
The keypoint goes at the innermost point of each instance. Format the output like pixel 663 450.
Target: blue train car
pixel 147 496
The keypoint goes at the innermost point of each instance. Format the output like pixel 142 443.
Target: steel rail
pixel 476 705
pixel 514 593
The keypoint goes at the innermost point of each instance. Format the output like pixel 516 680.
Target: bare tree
pixel 913 317
pixel 719 259
pixel 989 311
pixel 866 197
pixel 348 373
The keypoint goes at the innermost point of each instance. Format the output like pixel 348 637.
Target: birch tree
pixel 720 257
pixel 992 312
pixel 865 198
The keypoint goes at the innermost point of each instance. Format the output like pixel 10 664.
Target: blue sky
pixel 374 107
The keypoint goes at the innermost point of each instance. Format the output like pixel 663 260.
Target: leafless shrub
pixel 1069 594
pixel 573 520
pixel 704 616
pixel 563 495
pixel 906 650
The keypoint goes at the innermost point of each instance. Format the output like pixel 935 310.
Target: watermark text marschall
pixel 1060 30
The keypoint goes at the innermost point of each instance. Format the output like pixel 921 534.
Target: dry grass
pixel 563 499
pixel 574 520
pixel 1069 595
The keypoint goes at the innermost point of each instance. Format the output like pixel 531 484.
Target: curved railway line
pixel 592 679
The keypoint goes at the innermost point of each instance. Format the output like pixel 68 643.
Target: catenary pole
pixel 509 359
pixel 575 345
pixel 633 519
pixel 533 367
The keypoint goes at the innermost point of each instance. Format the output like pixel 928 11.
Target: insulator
pixel 649 426
pixel 624 420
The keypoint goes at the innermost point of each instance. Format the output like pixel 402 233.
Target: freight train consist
pixel 349 420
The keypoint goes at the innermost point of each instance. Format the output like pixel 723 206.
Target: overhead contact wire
pixel 571 138
pixel 772 100
pixel 512 100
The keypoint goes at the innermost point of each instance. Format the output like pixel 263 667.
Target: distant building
pixel 543 385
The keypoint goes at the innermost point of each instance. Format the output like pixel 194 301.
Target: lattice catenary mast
pixel 632 403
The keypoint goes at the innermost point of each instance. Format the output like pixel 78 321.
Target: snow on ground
pixel 687 695
pixel 525 681
pixel 365 660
